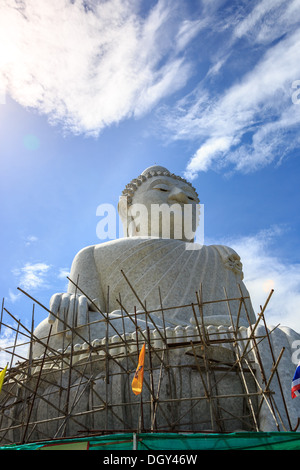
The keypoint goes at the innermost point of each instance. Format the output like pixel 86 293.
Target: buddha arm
pixel 85 274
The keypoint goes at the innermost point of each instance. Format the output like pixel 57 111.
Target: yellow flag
pixel 2 375
pixel 137 383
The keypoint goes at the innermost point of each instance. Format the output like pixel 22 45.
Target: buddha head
pixel 159 204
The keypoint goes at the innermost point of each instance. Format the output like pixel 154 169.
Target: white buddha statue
pixel 158 272
pixel 168 272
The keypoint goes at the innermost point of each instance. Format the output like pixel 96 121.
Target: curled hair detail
pixel 136 182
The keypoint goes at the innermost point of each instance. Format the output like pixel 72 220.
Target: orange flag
pixel 137 383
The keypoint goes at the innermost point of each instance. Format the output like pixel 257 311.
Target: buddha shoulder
pixel 230 258
pixel 105 253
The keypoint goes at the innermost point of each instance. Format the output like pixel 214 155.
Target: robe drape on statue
pixel 169 266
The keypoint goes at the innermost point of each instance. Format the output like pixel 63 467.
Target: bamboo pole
pixel 1 316
pixel 154 401
pixel 36 389
pixel 265 396
pixel 207 389
pixel 239 361
pixel 276 371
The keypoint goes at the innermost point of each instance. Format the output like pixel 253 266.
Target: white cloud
pixel 269 20
pixel 202 160
pixel 264 270
pixel 88 68
pixel 63 273
pixel 31 239
pixel 32 276
pixel 188 30
pixel 253 21
pixel 259 104
pixel 243 126
pixel 12 296
pixel 7 350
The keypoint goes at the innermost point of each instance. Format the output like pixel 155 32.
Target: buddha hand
pixel 70 311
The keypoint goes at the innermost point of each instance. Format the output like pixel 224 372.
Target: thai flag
pixel 296 383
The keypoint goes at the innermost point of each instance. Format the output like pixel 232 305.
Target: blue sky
pixel 94 92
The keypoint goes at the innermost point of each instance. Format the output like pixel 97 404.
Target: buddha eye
pixel 161 188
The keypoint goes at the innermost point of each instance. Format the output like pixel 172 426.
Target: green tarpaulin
pixel 168 441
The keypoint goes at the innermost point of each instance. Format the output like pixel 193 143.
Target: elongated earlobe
pixel 123 209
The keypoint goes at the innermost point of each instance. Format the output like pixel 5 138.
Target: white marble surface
pixel 153 263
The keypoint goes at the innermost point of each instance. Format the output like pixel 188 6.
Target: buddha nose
pixel 177 195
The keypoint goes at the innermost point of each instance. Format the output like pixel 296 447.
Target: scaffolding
pixel 201 378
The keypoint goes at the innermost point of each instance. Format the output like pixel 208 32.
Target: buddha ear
pixel 127 222
pixel 123 207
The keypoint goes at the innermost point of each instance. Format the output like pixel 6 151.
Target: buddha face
pixel 163 207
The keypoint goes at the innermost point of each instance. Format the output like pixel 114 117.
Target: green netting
pixel 168 441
